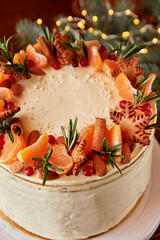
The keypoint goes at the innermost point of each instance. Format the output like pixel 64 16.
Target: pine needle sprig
pixel 139 97
pixel 153 126
pixel 47 34
pixel 46 165
pixel 72 136
pixel 140 82
pixel 110 153
pixel 5 127
pixel 5 53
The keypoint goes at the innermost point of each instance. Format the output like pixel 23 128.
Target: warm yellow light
pixel 82 27
pixel 95 19
pixel 144 50
pixel 110 12
pixel 136 21
pixel 83 21
pixel 70 18
pixel 67 28
pixel 103 36
pixel 84 12
pixel 142 29
pixel 127 12
pixel 154 40
pixel 58 23
pixel 158 30
pixel 125 34
pixel 79 24
pixel 39 21
pixel 90 30
pixel 95 32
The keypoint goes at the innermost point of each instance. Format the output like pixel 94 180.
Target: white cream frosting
pixel 49 101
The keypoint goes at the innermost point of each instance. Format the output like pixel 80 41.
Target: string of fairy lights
pixel 71 23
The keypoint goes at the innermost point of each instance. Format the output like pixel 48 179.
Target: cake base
pixel 23 230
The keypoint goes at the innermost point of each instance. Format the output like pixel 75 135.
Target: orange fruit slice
pixel 92 43
pixel 148 85
pixel 37 47
pixel 10 150
pixel 109 66
pixel 61 159
pixel 114 138
pixel 124 87
pixel 2 104
pixel 3 77
pixel 40 61
pixel 6 93
pixel 19 57
pixel 35 150
pixel 94 58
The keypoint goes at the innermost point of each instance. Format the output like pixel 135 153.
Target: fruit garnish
pixel 130 69
pixel 10 105
pixel 19 57
pixel 29 171
pixel 132 125
pixel 11 79
pixel 73 135
pixel 88 171
pixel 124 87
pixel 94 58
pixel 2 105
pixel 51 139
pixel 6 93
pixel 84 62
pixel 92 43
pixel 35 150
pixel 111 153
pixel 78 156
pixel 110 67
pixel 112 57
pixel 60 159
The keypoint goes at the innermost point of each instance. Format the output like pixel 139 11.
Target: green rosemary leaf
pixel 48 155
pixel 64 135
pixel 116 150
pixel 38 159
pixel 114 147
pixel 104 145
pixel 10 118
pixel 73 141
pixel 143 81
pixel 56 168
pixel 114 163
pixel 153 116
pixel 74 126
pixel 45 171
pixel 39 166
pixel 85 49
pixel 153 126
pixel 71 36
pixel 121 156
pixel 69 132
pixel 10 135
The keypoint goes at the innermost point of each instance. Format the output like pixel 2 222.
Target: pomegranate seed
pixel 122 104
pixel 56 65
pixel 1 142
pixel 88 171
pixel 102 49
pixel 40 169
pixel 29 171
pixel 90 156
pixel 51 139
pixel 30 63
pixel 11 79
pixel 140 108
pixel 9 105
pixel 147 107
pixel 84 62
pixel 36 164
pixel 148 113
pixel 104 158
pixel 112 57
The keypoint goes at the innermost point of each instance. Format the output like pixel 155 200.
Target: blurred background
pixel 131 21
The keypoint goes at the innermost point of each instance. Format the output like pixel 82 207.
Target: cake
pixel 55 182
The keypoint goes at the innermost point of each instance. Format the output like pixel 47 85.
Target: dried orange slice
pixel 114 138
pixel 61 159
pixel 6 93
pixel 148 85
pixel 94 58
pixel 124 87
pixel 35 150
pixel 10 150
pixel 40 61
pixel 2 104
pixel 109 66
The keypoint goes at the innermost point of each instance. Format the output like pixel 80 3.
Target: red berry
pixel 51 139
pixel 140 108
pixel 56 65
pixel 30 63
pixel 84 62
pixel 29 171
pixel 148 113
pixel 104 158
pixel 122 104
pixel 90 156
pixel 40 169
pixel 146 107
pixel 36 164
pixel 11 79
pixel 112 57
pixel 88 171
pixel 1 141
pixel 9 105
pixel 102 49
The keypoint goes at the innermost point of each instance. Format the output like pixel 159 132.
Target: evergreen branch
pixel 139 97
pixel 140 82
pixel 5 53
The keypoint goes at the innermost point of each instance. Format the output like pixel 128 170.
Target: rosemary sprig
pixel 5 127
pixel 47 34
pixel 73 134
pixel 46 165
pixel 153 126
pixel 5 53
pixel 78 46
pixel 110 153
pixel 139 97
pixel 140 82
